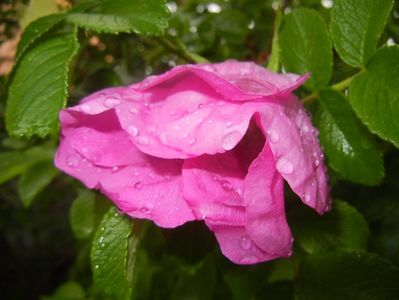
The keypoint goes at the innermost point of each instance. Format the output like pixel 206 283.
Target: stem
pixel 336 87
pixel 274 62
pixel 176 46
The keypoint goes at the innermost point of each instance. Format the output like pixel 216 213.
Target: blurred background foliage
pixel 48 221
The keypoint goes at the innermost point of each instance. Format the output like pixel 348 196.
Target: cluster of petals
pixel 211 142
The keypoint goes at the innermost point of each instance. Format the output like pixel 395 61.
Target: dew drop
pixel 142 140
pixel 305 128
pixel 96 267
pixel 111 102
pixel 229 124
pixel 146 208
pixel 245 243
pixel 230 140
pixel 273 136
pixel 133 111
pixel 85 108
pixel 316 162
pixel 138 185
pixel 249 259
pixel 132 130
pixel 306 197
pixel 191 141
pixel 226 185
pixel 284 166
pixel 73 161
pixel 115 169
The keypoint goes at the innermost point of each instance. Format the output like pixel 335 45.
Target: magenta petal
pixel 98 152
pixel 220 192
pixel 298 157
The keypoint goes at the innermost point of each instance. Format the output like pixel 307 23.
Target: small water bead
pixel 85 108
pixel 96 267
pixel 138 185
pixel 73 161
pixel 245 243
pixel 147 208
pixel 111 102
pixel 306 197
pixel 132 130
pixel 273 136
pixel 230 140
pixel 226 185
pixel 115 169
pixel 316 162
pixel 134 111
pixel 229 124
pixel 142 140
pixel 191 141
pixel 284 166
pixel 249 259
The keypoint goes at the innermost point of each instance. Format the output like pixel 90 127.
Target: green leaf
pixel 82 215
pixel 13 163
pixel 35 30
pixel 112 255
pixel 148 17
pixel 34 180
pixel 347 274
pixel 347 144
pixel 343 227
pixel 39 88
pixel 70 290
pixel 374 95
pixel 356 26
pixel 37 9
pixel 306 46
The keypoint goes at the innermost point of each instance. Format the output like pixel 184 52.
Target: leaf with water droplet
pixel 111 255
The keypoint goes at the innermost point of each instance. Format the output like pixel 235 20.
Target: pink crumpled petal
pixel 244 208
pixel 96 150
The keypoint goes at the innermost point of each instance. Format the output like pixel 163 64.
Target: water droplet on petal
pixel 142 140
pixel 316 162
pixel 245 243
pixel 85 108
pixel 73 161
pixel 133 110
pixel 115 169
pixel 191 141
pixel 138 185
pixel 230 140
pixel 273 136
pixel 147 208
pixel 111 102
pixel 306 197
pixel 305 128
pixel 285 166
pixel 132 130
pixel 249 259
pixel 226 185
pixel 229 124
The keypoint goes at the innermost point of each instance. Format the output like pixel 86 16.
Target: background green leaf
pixel 347 274
pixel 34 180
pixel 343 227
pixel 113 16
pixel 110 256
pixel 356 26
pixel 374 95
pixel 39 88
pixel 82 214
pixel 306 46
pixel 347 144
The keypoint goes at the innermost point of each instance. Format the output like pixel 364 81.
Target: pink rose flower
pixel 208 142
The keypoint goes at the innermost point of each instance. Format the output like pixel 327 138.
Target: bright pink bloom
pixel 202 142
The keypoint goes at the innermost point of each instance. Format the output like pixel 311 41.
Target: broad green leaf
pixel 113 254
pixel 39 88
pixel 34 180
pixel 343 227
pixel 347 274
pixel 82 215
pixel 306 47
pixel 347 144
pixel 37 9
pixel 113 16
pixel 356 26
pixel 13 163
pixel 35 30
pixel 70 290
pixel 374 95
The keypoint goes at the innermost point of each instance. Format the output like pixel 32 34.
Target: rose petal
pixel 293 141
pixel 245 211
pixel 98 152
